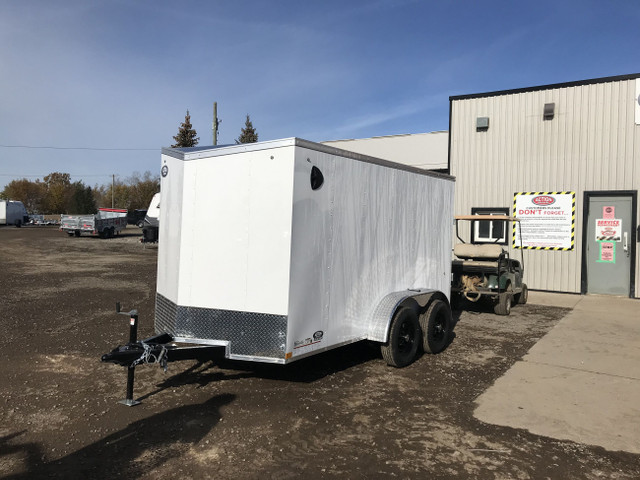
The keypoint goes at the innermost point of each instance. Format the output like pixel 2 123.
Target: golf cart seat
pixel 472 256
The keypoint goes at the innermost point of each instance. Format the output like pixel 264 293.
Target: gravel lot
pixel 343 414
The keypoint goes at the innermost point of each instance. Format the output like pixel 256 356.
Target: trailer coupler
pixel 152 350
pixel 159 349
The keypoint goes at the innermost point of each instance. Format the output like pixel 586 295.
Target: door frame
pixel 634 225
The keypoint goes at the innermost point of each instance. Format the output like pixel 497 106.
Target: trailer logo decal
pixel 317 338
pixel 164 171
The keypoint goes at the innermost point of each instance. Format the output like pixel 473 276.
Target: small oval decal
pixel 543 200
pixel 318 335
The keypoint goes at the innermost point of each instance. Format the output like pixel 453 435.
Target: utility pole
pixel 113 182
pixel 216 123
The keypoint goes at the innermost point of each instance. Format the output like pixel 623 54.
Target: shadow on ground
pixel 142 446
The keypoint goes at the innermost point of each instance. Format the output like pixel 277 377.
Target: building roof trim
pixel 552 86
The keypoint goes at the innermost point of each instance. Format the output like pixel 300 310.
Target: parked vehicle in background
pixel 151 224
pixel 486 270
pixel 136 217
pixel 107 223
pixel 36 219
pixel 13 212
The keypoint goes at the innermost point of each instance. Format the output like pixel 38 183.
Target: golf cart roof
pixel 487 217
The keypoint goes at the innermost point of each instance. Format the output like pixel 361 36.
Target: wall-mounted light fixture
pixel 549 111
pixel 482 124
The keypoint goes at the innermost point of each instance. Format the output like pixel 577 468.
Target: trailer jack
pixel 159 349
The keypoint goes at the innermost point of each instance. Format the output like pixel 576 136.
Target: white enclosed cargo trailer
pixel 275 251
pixel 13 212
pixel 278 250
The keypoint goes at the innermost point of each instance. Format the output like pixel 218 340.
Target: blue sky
pixel 119 75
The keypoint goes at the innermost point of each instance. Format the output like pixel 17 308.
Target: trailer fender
pixel 419 299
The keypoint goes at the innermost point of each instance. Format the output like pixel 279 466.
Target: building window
pixel 485 231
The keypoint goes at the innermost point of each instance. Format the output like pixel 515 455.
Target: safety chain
pixel 149 357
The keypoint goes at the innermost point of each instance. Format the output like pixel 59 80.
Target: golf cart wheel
pixel 436 327
pixel 404 338
pixel 140 224
pixel 503 307
pixel 522 297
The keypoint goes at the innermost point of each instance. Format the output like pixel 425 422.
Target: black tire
pixel 436 324
pixel 505 299
pixel 112 232
pixel 77 233
pixel 18 223
pixel 140 224
pixel 523 296
pixel 404 338
pixel 103 233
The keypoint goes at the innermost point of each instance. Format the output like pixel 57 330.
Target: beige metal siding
pixel 422 150
pixel 592 143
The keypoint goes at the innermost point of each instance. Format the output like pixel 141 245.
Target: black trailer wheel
pixel 404 338
pixel 503 307
pixel 436 325
pixel 523 296
pixel 112 232
pixel 77 233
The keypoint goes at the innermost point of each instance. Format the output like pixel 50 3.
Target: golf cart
pixel 487 270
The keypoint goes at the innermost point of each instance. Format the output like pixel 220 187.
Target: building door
pixel 609 254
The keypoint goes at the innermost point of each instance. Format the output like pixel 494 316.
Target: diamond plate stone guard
pixel 248 333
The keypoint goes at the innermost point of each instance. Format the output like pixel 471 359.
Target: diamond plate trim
pixel 248 333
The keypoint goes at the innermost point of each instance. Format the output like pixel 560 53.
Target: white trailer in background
pixel 278 250
pixel 13 212
pixel 150 225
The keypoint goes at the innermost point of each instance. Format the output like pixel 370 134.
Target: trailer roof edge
pixel 194 153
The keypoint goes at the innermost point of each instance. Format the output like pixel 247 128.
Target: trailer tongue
pixel 275 251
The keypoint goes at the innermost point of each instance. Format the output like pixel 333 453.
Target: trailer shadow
pixel 132 452
pixel 307 370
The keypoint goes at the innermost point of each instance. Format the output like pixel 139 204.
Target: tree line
pixel 56 194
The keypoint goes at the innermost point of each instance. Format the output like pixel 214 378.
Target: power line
pixel 71 175
pixel 83 148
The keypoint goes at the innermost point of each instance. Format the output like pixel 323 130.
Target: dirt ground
pixel 340 414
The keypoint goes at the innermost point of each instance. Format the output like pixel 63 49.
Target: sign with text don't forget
pixel 547 220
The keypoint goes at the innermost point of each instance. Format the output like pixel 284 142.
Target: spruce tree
pixel 186 136
pixel 248 134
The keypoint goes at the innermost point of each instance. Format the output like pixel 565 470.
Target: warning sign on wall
pixel 547 220
pixel 608 230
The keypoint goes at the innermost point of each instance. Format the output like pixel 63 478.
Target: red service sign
pixel 608 230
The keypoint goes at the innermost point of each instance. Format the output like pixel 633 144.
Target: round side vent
pixel 317 179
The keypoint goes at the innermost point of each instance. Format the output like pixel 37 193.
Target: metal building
pixel 422 150
pixel 566 159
